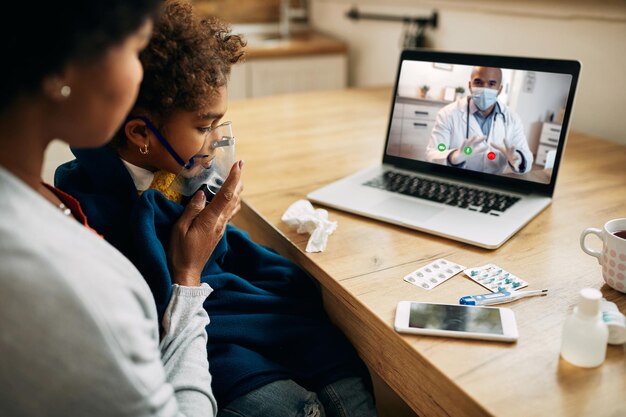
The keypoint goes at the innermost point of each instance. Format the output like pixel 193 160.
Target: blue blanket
pixel 267 318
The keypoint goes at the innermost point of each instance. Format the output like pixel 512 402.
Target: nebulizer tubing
pixel 161 138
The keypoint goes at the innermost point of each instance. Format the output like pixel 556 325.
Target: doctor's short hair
pixel 476 69
pixel 41 37
pixel 186 61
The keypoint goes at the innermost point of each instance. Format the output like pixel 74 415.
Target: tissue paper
pixel 302 217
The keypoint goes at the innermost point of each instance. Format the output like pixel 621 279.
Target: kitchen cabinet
pixel 548 141
pixel 412 122
pixel 281 75
pixel 305 61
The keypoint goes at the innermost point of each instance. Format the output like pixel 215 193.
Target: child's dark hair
pixel 39 38
pixel 187 59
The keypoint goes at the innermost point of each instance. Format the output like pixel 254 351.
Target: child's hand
pixel 196 234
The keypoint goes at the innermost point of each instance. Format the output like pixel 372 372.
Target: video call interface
pixel 496 120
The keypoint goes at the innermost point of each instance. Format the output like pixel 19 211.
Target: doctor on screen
pixel 480 133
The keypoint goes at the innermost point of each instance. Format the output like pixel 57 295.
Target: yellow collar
pixel 160 181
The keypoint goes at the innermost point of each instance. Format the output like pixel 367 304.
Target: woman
pixel 272 349
pixel 80 334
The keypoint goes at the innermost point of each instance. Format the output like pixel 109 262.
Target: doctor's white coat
pixel 450 129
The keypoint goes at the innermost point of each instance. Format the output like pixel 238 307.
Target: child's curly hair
pixel 187 59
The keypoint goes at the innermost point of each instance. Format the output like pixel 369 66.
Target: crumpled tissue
pixel 302 217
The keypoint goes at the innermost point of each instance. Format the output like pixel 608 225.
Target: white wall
pixel 415 74
pixel 548 96
pixel 57 153
pixel 591 33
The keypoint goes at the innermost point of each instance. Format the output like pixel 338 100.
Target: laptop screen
pixel 482 117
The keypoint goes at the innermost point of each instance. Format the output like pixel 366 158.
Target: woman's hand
pixel 196 234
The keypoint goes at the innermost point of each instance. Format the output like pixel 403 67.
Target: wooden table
pixel 294 144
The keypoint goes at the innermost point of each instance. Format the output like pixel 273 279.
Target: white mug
pixel 613 256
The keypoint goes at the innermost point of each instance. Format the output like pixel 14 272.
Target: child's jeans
pixel 344 398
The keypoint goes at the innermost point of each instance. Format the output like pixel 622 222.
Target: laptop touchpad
pixel 401 209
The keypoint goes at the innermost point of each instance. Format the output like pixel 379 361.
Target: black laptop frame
pixel 558 66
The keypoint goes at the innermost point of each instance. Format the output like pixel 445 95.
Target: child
pixel 272 350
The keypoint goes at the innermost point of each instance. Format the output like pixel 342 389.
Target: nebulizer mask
pixel 208 168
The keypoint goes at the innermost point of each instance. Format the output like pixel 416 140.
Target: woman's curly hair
pixel 186 60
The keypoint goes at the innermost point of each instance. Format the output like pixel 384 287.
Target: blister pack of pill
pixel 495 278
pixel 433 274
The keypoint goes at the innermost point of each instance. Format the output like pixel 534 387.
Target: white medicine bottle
pixel 585 334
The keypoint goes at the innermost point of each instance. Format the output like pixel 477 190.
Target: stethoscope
pixel 495 118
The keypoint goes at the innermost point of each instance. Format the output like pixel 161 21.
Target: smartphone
pixel 454 320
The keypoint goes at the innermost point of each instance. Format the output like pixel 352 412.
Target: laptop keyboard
pixel 473 199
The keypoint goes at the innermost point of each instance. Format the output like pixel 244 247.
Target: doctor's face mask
pixel 484 97
pixel 485 85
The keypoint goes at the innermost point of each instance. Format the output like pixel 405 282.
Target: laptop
pixel 451 166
